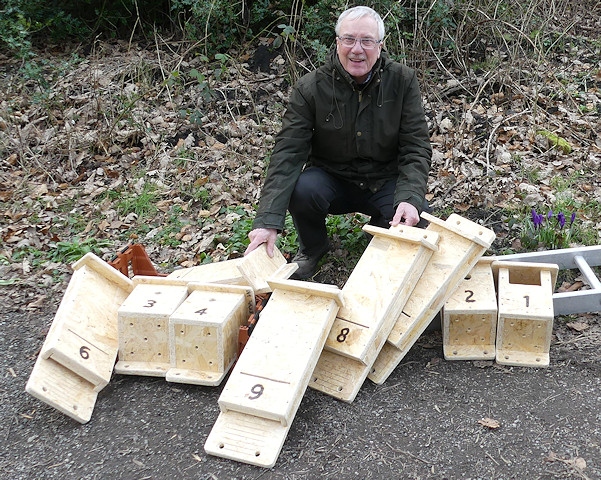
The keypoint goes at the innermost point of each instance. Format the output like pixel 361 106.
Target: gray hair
pixel 358 12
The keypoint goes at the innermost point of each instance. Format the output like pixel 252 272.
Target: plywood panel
pixel 374 296
pixel 265 388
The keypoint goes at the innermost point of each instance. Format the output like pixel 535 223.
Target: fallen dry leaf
pixel 578 326
pixel 489 423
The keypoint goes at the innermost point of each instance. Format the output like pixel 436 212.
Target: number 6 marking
pixel 84 352
pixel 257 390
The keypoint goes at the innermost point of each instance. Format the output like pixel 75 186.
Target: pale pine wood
pixel 281 353
pixel 246 438
pixel 258 266
pixel 62 389
pixel 83 334
pixel 218 272
pixel 262 395
pixel 375 294
pixel 203 332
pixel 525 319
pixel 143 321
pixel 462 242
pixel 469 323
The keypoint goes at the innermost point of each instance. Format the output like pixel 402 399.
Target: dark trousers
pixel 318 194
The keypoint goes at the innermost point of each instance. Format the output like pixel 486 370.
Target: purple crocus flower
pixel 572 218
pixel 550 214
pixel 561 218
pixel 537 219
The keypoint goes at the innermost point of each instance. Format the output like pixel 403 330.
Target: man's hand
pixel 406 214
pixel 259 236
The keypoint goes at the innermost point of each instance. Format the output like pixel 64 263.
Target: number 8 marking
pixel 343 334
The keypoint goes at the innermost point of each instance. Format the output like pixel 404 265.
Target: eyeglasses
pixel 366 43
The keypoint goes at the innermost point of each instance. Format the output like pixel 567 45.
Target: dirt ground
pixel 431 419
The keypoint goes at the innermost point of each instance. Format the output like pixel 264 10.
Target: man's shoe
pixel 307 264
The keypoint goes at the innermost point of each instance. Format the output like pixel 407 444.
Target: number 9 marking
pixel 257 391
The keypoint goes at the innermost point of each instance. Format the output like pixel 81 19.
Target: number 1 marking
pixel 527 297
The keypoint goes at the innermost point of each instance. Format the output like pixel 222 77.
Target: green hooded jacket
pixel 364 134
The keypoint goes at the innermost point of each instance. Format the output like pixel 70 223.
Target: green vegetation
pixel 70 251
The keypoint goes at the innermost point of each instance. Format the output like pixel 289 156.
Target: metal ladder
pixel 582 258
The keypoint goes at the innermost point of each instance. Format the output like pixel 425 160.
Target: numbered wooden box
pixel 203 332
pixel 83 334
pixel 469 324
pixel 525 320
pixel 462 242
pixel 77 357
pixel 374 294
pixel 266 386
pixel 143 322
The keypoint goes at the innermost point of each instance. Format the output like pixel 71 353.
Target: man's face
pixel 356 60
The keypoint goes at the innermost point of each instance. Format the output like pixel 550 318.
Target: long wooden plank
pixel 218 272
pixel 374 296
pixel 462 243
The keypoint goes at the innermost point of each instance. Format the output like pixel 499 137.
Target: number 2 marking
pixel 469 298
pixel 257 390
